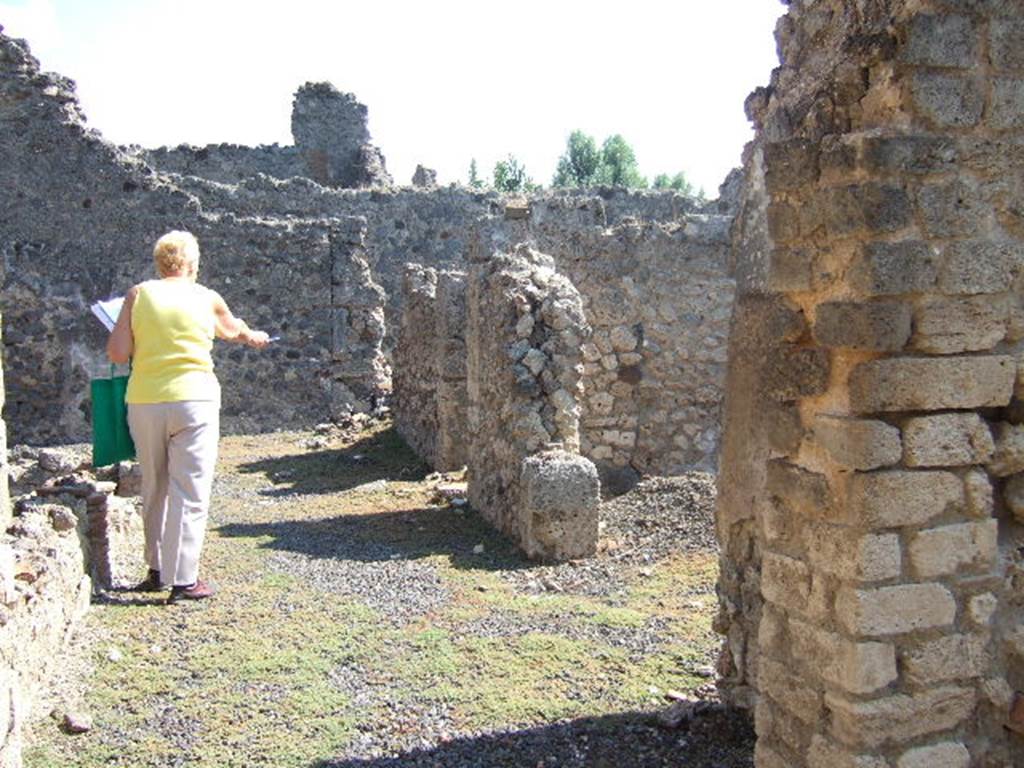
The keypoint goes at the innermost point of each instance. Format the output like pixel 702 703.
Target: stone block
pixel 978 490
pixel 899 718
pixel 941 41
pixel 560 495
pixel 790 164
pixel 879 325
pixel 980 266
pixel 892 498
pixel 952 209
pixel 782 425
pixel 1007 103
pixel 1006 43
pixel 955 657
pixel 783 222
pixel 803 492
pixel 775 723
pixel 795 372
pixel 1013 495
pixel 909 154
pixel 981 609
pixel 946 440
pixel 953 549
pixel 860 668
pixel 949 754
pixel 785 582
pixel 858 443
pixel 791 269
pixel 949 100
pixel 766 757
pixel 886 269
pixel 931 384
pixel 1008 456
pixel 789 691
pixel 895 610
pixel 869 208
pixel 851 556
pixel 947 326
pixel 827 754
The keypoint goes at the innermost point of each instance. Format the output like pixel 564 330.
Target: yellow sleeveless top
pixel 173 327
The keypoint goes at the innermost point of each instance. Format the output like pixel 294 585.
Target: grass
pixel 252 676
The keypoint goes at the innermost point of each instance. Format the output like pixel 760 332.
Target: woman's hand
pixel 257 339
pixel 121 344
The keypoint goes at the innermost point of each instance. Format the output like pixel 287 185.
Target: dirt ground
pixel 363 620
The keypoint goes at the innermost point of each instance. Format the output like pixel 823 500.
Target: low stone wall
pixel 70 536
pixel 525 331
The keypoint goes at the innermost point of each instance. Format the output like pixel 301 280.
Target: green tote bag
pixel 111 440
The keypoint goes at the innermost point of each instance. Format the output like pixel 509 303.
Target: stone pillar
pixel 360 375
pixel 329 128
pixel 872 421
pixel 525 331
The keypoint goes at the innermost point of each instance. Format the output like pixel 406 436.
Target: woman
pixel 166 328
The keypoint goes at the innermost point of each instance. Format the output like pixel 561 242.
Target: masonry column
pixel 883 264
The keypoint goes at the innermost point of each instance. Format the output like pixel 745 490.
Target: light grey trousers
pixel 176 444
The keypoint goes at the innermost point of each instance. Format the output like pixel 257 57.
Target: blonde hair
pixel 175 253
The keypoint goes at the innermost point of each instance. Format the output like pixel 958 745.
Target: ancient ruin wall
pixel 416 365
pixel 870 588
pixel 77 223
pixel 658 297
pixel 525 331
pixel 429 396
pixel 223 163
pixel 332 146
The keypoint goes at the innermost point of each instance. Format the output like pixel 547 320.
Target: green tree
pixel 580 164
pixel 510 176
pixel 679 183
pixel 474 179
pixel 618 164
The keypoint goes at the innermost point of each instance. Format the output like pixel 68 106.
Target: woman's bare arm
pixel 121 344
pixel 231 328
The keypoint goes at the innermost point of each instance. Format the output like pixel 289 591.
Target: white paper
pixel 107 311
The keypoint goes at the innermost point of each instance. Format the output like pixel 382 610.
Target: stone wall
pixel 658 297
pixel 223 163
pixel 525 331
pixel 430 394
pixel 416 365
pixel 77 224
pixel 332 146
pixel 870 586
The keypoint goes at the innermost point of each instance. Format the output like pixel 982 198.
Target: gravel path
pixel 361 623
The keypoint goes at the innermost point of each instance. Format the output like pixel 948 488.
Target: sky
pixel 445 81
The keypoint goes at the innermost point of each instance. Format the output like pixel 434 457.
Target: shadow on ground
pixel 381 456
pixel 405 534
pixel 722 738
